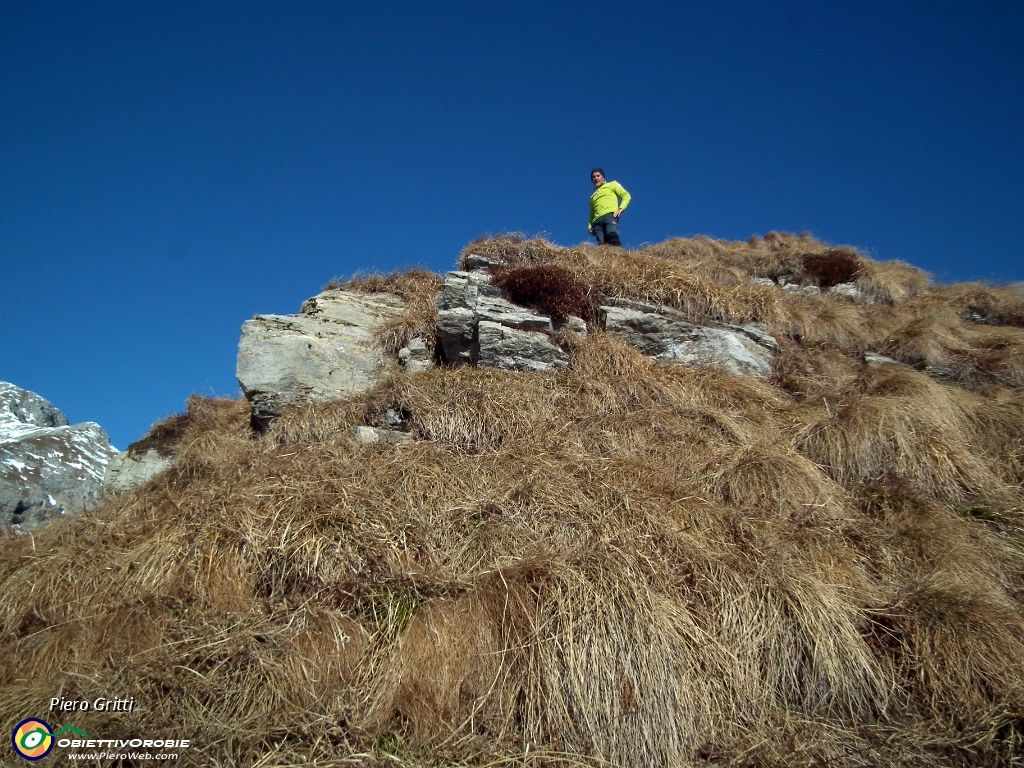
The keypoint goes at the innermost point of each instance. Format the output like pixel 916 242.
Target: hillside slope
pixel 616 562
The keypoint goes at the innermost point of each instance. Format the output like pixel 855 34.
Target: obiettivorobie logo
pixel 33 739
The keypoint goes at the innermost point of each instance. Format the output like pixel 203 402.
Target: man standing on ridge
pixel 605 208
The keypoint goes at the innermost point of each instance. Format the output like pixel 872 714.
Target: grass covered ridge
pixel 614 563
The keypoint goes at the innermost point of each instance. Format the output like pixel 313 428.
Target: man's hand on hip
pixel 617 214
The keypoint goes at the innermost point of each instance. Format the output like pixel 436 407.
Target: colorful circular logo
pixel 32 739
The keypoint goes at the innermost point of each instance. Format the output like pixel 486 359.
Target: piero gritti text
pixel 100 704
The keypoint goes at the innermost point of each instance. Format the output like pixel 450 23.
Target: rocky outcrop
pixel 810 290
pixel 477 324
pixel 48 468
pixel 327 352
pixel 330 350
pixel 19 406
pixel 504 346
pixel 664 335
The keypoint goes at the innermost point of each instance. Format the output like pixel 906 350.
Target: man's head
pixel 597 176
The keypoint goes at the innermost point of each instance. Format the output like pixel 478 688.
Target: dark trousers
pixel 606 230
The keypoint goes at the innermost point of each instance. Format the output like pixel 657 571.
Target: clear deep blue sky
pixel 169 169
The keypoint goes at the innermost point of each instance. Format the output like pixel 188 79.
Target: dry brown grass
pixel 1001 305
pixel 617 563
pixel 912 320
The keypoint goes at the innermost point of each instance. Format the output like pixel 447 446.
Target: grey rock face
pixel 842 290
pixel 942 372
pixel 47 467
pixel 660 333
pixel 126 472
pixel 21 406
pixel 766 281
pixel 756 332
pixel 571 323
pixel 327 352
pixel 500 311
pixel 503 346
pixel 478 325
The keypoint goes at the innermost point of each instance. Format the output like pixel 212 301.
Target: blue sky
pixel 168 170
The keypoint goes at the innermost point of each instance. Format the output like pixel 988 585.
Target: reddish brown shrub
pixel 832 267
pixel 163 437
pixel 547 288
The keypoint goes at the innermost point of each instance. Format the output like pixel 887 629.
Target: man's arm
pixel 623 196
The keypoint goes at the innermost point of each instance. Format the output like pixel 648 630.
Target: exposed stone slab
pixel 755 332
pixel 455 331
pixel 502 312
pixel 852 292
pixel 20 406
pixel 942 372
pixel 660 334
pixel 328 352
pixel 126 472
pixel 846 291
pixel 478 324
pixel 811 290
pixel 571 323
pixel 459 291
pixel 474 261
pixel 511 349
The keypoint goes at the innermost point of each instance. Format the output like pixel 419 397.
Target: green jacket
pixel 605 200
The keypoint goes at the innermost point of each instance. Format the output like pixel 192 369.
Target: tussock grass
pixel 616 563
pixel 1002 305
pixel 898 420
